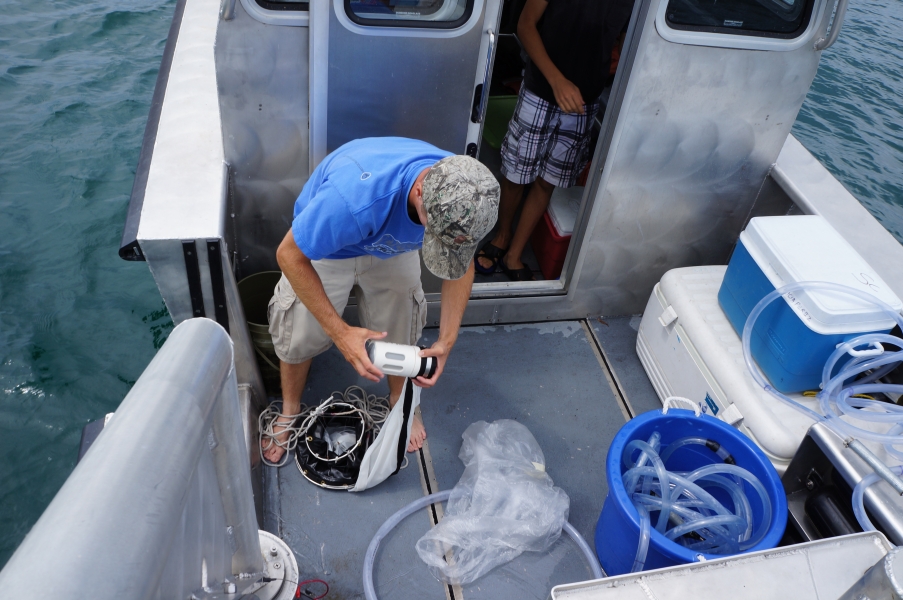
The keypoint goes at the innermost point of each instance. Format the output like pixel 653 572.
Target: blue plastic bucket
pixel 618 529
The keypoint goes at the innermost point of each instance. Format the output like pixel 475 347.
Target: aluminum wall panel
pixel 389 85
pixel 696 135
pixel 262 75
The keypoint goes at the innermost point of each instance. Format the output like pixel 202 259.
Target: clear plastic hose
pixel 648 453
pixel 754 483
pixel 685 507
pixel 838 394
pixel 421 503
pixel 642 548
pixel 741 502
pixel 858 501
pixel 832 386
pixel 697 441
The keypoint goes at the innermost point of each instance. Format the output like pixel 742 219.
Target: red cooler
pixel 552 235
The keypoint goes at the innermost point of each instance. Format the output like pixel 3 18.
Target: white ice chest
pixel 689 348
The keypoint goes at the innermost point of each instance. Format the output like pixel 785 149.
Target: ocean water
pixel 852 120
pixel 78 325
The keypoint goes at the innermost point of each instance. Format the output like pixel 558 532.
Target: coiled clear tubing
pixel 687 512
pixel 838 394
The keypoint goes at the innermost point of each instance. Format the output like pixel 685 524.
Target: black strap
pixel 215 260
pixel 406 412
pixel 193 272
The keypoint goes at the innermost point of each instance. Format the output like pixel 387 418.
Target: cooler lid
pixel 563 208
pixel 806 248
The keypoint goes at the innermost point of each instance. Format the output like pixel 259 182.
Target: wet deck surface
pixel 551 377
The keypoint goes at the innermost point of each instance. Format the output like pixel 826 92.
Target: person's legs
pixel 521 150
pixel 418 431
pixel 298 337
pixel 509 202
pixel 293 378
pixel 534 206
pixel 563 156
pixel 392 300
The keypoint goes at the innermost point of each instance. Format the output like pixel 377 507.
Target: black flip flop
pixel 493 253
pixel 522 274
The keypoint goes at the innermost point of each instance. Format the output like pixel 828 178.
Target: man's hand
pixel 439 351
pixel 455 293
pixel 567 95
pixel 351 342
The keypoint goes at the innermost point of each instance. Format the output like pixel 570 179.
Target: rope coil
pixel 373 410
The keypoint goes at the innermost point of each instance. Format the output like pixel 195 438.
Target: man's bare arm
pixel 566 93
pixel 309 289
pixel 455 294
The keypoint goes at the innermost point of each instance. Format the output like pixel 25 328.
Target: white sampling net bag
pixel 504 504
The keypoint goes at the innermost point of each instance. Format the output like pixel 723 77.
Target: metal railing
pixel 839 13
pixel 161 505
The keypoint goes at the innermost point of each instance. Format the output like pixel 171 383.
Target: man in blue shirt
pixel 358 222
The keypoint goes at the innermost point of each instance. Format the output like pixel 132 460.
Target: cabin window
pixel 284 4
pixel 768 18
pixel 443 14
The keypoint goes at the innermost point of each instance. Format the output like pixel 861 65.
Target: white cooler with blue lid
pixel 794 336
pixel 688 348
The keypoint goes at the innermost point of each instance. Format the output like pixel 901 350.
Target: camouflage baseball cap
pixel 461 200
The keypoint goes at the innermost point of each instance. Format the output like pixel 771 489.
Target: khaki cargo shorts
pixel 389 298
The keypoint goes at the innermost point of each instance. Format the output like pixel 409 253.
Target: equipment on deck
pixel 401 360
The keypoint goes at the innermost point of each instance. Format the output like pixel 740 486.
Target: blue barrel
pixel 618 529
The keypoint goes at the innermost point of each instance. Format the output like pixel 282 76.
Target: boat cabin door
pixel 411 68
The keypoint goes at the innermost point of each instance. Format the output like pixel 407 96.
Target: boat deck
pixel 572 383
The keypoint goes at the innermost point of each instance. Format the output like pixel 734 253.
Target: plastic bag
pixel 503 505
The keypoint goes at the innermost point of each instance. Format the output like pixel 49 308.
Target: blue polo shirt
pixel 356 201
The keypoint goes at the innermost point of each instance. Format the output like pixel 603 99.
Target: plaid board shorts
pixel 543 141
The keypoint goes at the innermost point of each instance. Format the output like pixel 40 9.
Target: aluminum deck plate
pixel 617 336
pixel 551 377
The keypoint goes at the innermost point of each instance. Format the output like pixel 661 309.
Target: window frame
pixel 284 6
pixel 728 37
pixel 410 23
pixel 806 18
pixel 273 12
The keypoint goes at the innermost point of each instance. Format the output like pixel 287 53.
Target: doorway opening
pixel 545 252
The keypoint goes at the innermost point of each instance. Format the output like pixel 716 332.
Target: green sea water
pixel 78 325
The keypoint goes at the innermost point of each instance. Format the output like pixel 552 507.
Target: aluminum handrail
pixel 839 13
pixel 108 532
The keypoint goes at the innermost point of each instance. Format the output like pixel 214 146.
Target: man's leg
pixel 298 337
pixel 534 206
pixel 508 204
pixel 521 150
pixel 565 152
pixel 391 299
pixel 418 431
pixel 294 378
